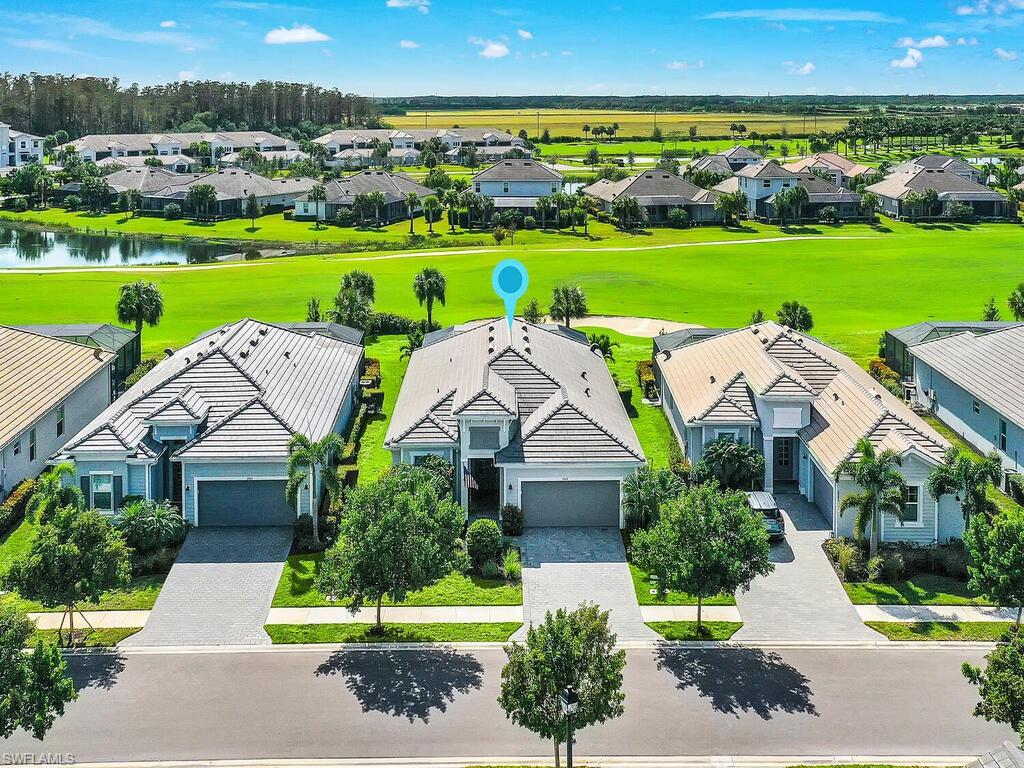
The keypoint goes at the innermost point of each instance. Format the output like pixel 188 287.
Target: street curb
pixel 633 645
pixel 596 761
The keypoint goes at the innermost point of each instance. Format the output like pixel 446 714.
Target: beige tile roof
pixel 37 373
pixel 706 379
pixel 831 160
pixel 652 187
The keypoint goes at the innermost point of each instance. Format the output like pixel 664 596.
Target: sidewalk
pixel 98 619
pixel 916 613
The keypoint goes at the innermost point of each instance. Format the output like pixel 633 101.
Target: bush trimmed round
pixel 483 542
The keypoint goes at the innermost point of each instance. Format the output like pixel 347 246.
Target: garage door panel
pixel 571 503
pixel 244 502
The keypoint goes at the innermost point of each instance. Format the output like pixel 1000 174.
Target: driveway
pixel 563 567
pixel 802 599
pixel 219 589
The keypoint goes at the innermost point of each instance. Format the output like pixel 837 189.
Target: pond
pixel 33 248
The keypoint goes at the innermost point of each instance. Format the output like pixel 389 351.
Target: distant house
pixel 740 157
pixel 658 191
pixel 96 147
pixel 233 187
pixel 280 158
pixel 176 163
pixel 898 341
pixel 805 406
pixel 341 194
pixel 208 428
pixel 19 148
pixel 974 383
pixel 841 170
pixel 821 194
pixel 146 179
pixel 759 181
pixel 716 164
pixel 945 163
pixel 518 184
pixel 892 193
pixel 353 147
pixel 529 416
pixel 124 343
pixel 49 389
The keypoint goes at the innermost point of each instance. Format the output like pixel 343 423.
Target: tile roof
pixel 146 179
pixel 949 185
pixel 990 366
pixel 714 163
pixel 766 169
pixel 232 184
pixel 829 160
pixel 109 337
pixel 653 187
pixel 739 152
pixel 39 372
pixel 301 379
pixel 820 191
pixel 518 170
pixel 144 142
pixel 557 389
pixel 395 187
pixel 475 135
pixel 944 162
pixel 930 329
pixel 722 377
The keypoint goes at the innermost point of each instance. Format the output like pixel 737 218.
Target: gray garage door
pixel 590 502
pixel 244 502
pixel 822 492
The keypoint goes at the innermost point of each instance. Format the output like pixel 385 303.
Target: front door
pixel 783 469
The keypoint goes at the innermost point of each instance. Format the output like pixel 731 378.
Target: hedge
pixel 12 509
pixel 645 377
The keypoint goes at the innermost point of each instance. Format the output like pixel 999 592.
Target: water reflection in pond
pixel 30 248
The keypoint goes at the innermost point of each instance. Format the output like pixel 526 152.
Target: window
pixel 912 505
pixel 977 407
pixel 60 420
pixel 17 447
pixel 730 434
pixel 1002 435
pixel 767 183
pixel 504 188
pixel 32 444
pixel 485 438
pixel 783 454
pixel 476 188
pixel 554 189
pixel 102 487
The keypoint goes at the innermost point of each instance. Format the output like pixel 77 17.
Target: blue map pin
pixel 510 281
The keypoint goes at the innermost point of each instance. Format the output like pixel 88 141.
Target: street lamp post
pixel 570 703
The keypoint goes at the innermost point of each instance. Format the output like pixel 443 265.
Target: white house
pixel 759 181
pixel 353 147
pixel 96 147
pixel 529 415
pixel 18 148
pixel 805 406
pixel 518 183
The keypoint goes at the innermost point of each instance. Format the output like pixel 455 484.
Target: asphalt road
pixel 323 704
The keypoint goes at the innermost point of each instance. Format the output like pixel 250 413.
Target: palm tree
pixel 452 198
pixel 132 201
pixel 783 201
pixel 309 465
pixel 882 489
pixel 643 493
pixel 966 477
pixel 413 341
pixel 412 202
pixel 200 199
pixel 362 281
pixel 544 206
pixel 55 489
pixel 604 344
pixel 568 302
pixel 432 210
pixel 361 204
pixel 913 201
pixel 316 195
pixel 429 286
pixel 929 199
pixel 378 201
pixel 869 203
pixel 1016 302
pixel 561 201
pixel 798 197
pixel 140 302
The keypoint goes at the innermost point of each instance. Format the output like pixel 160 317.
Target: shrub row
pixel 12 509
pixel 645 376
pixel 896 561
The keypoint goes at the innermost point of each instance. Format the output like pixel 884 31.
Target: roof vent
pixel 490 350
pixel 262 331
pixel 712 378
pixel 764 340
pixel 754 330
pixel 490 328
pixel 168 351
pixel 583 375
pixel 587 391
pixel 287 353
pixel 526 350
pixel 835 397
pixel 188 360
pixel 243 354
pixel 252 342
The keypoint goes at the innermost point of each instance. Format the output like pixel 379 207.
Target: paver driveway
pixel 802 599
pixel 563 567
pixel 219 590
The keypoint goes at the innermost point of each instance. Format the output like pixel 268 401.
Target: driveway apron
pixel 802 598
pixel 563 567
pixel 219 590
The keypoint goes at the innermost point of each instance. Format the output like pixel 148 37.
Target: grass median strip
pixel 642 586
pixel 687 630
pixel 964 631
pixel 106 637
pixel 923 589
pixel 284 634
pixel 140 595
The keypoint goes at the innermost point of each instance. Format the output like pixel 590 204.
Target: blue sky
pixel 488 47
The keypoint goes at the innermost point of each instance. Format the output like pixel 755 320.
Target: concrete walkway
pixel 455 614
pixel 802 599
pixel 564 567
pixel 219 589
pixel 957 613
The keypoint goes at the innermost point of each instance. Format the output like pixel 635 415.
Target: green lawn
pixel 15 544
pixel 374 458
pixel 687 630
pixel 296 589
pixel 97 638
pixel 923 589
pixel 642 585
pixel 974 631
pixel 716 285
pixel 139 596
pixel 394 633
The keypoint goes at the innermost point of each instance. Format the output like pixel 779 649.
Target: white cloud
pixel 1005 55
pixel 685 65
pixel 796 68
pixel 423 6
pixel 490 49
pixel 186 74
pixel 88 27
pixel 984 7
pixel 566 53
pixel 967 41
pixel 805 14
pixel 910 61
pixel 299 33
pixel 170 24
pixel 936 41
pixel 408 44
pixel 46 46
pixel 525 34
